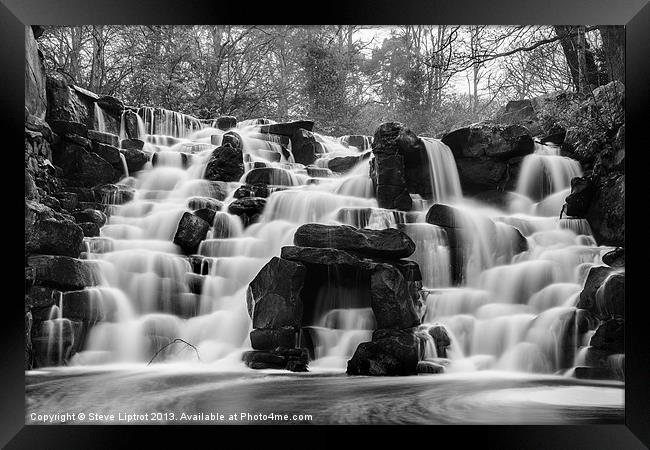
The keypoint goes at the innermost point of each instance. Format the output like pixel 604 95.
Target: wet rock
pixel 582 191
pixel 356 140
pixel 225 164
pixel 65 102
pixel 273 297
pixel 270 175
pixel 190 232
pixel 391 352
pixel 441 338
pixel 268 339
pixel 595 279
pixel 610 336
pixel 304 147
pixel 84 194
pixel 39 297
pixel 393 197
pixel 604 293
pixel 390 299
pixel 258 190
pixel 83 167
pixel 108 152
pixel 429 367
pixel 326 257
pixel 480 174
pixel 111 105
pixel 65 127
pixel 263 360
pixel 287 128
pixel 63 272
pixel 132 144
pixel 89 229
pixel 35 94
pixel 344 164
pixel 594 373
pixel 84 305
pixel 615 258
pixel 131 125
pixel 113 194
pixel 389 243
pixel 319 172
pixel 90 215
pixel 204 202
pixel 248 209
pixel 104 138
pixel 226 123
pixel 135 159
pixel 48 232
pixel 206 214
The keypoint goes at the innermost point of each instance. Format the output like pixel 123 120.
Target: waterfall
pixel 508 311
pixel 100 119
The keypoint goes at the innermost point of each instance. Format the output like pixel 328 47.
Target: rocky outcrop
pixel 226 163
pixel 35 95
pixel 249 209
pixel 304 147
pixel 226 123
pixel 63 272
pixel 390 353
pixel 190 232
pixel 49 232
pixel 270 176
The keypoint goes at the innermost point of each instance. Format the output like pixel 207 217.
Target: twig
pixel 173 342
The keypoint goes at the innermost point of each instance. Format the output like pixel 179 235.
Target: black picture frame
pixel 634 14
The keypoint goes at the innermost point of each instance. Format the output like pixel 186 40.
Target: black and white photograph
pixel 324 224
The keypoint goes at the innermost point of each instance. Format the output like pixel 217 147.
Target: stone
pixel 480 174
pixel 108 152
pixel 64 102
pixel 390 299
pixel 579 200
pixel 35 94
pixel 604 293
pixel 54 342
pixel 429 367
pixel 86 306
pixel 343 164
pixel 269 339
pixel 517 111
pixel 204 202
pixel 273 297
pixel 270 175
pixel 393 197
pixel 225 164
pixel 274 361
pixel 132 144
pixel 84 194
pixel 83 167
pixel 90 215
pixel 389 243
pixel 319 172
pixel 304 147
pixel 39 297
pixel 113 194
pixel 190 232
pixel 63 272
pixel 48 232
pixel 131 125
pixel 325 257
pixel 206 214
pixel 390 353
pixel 441 338
pixel 258 190
pixel 615 258
pixel 89 229
pixel 594 373
pixel 359 141
pixel 104 138
pixel 226 123
pixel 65 127
pixel 248 209
pixel 610 336
pixel 606 213
pixel 111 105
pixel 135 159
pixel 287 128
pixel 595 279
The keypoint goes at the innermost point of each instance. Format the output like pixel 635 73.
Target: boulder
pixel 54 342
pixel 190 232
pixel 258 190
pixel 270 175
pixel 273 296
pixel 65 102
pixel 135 159
pixel 248 209
pixel 390 299
pixel 226 123
pixel 304 147
pixel 113 194
pixel 268 339
pixel 204 202
pixel 131 125
pixel 480 174
pixel 48 232
pixel 65 127
pixel 579 200
pixel 40 297
pixel 287 128
pixel 326 257
pixel 63 272
pixel 391 352
pixel 615 258
pixel 610 336
pixel 429 367
pixel 206 214
pixel 104 138
pixel 343 164
pixel 441 338
pixel 83 167
pixel 233 139
pixel 132 144
pixel 517 111
pixel 111 105
pixel 225 164
pixel 356 140
pixel 89 229
pixel 84 305
pixel 389 243
pixel 109 153
pixel 90 215
pixel 319 172
pixel 393 197
pixel 84 194
pixel 603 293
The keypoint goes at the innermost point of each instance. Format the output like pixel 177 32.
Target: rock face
pixel 68 102
pixel 48 232
pixel 270 175
pixel 62 272
pixel 226 123
pixel 274 305
pixel 82 167
pixel 390 299
pixel 35 95
pixel 390 353
pixel 389 243
pixel 287 128
pixel 190 232
pixel 304 147
pixel 225 164
pixel 488 155
pixel 249 209
pixel 131 125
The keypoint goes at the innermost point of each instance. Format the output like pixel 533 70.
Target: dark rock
pixel 90 215
pixel 108 152
pixel 85 305
pixel 225 164
pixel 83 194
pixel 582 192
pixel 610 336
pixel 480 174
pixel 135 159
pixel 429 367
pixel 319 172
pixel 190 232
pixel 63 272
pixel 258 190
pixel 304 147
pixel 104 138
pixel 594 373
pixel 204 202
pixel 270 175
pixel 343 164
pixel 226 123
pixel 356 140
pixel 268 339
pixel 604 293
pixel 615 258
pixel 517 111
pixel 35 94
pixel 273 360
pixel 52 202
pixel 326 257
pixel 393 197
pixel 65 102
pixel 113 194
pixel 131 125
pixel 63 127
pixel 111 105
pixel 273 296
pixel 595 279
pixel 54 342
pixel 206 214
pixel 606 213
pixel 389 243
pixel 388 169
pixel 441 338
pixel 248 209
pixel 38 297
pixel 391 352
pixel 49 232
pixel 83 167
pixel 232 139
pixel 89 229
pixel 92 205
pixel 132 144
pixel 390 299
pixel 296 366
pixel 287 128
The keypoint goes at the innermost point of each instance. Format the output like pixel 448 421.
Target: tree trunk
pixel 614 47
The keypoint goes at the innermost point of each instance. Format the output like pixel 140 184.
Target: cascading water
pixel 502 312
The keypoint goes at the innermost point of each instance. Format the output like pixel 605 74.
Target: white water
pixel 508 312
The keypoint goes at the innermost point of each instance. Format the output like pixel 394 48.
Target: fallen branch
pixel 173 342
